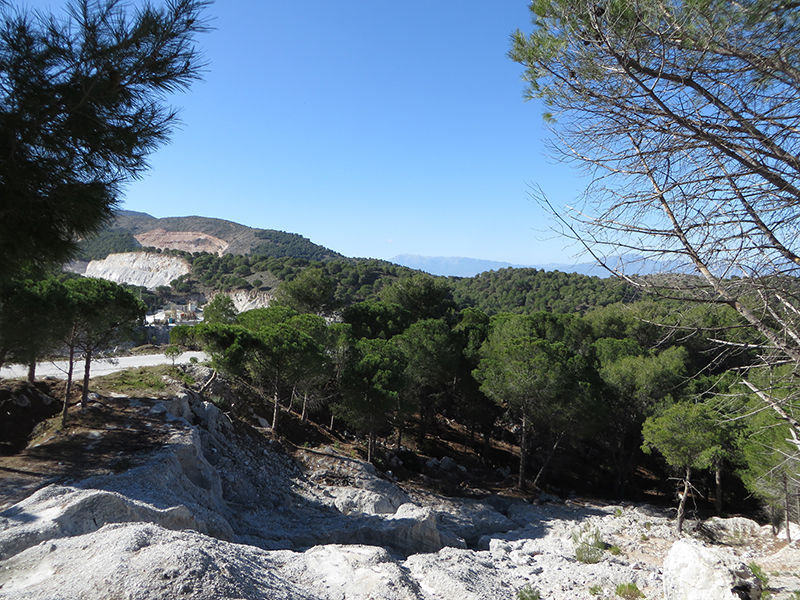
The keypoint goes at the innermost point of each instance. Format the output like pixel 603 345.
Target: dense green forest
pixel 109 241
pixel 531 290
pixel 566 389
pixel 389 355
pixel 569 368
pixel 520 291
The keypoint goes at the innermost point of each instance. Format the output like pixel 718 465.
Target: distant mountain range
pixel 459 266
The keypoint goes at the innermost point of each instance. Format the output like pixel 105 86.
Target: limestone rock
pixel 694 571
pixel 735 531
pixel 139 560
pixel 139 268
pixel 349 500
pixel 244 300
pixel 189 241
pixel 352 572
pixel 57 512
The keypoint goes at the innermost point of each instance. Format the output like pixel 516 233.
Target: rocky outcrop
pixel 139 268
pixel 245 300
pixel 22 407
pixel 694 571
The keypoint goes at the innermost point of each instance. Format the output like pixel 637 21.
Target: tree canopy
pixel 82 105
pixel 687 115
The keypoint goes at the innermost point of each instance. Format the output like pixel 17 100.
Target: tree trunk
pixel 786 504
pixel 523 454
pixel 718 493
pixel 305 408
pixel 399 438
pixel 547 460
pixel 370 446
pixel 86 368
pixel 275 412
pixel 32 371
pixel 422 432
pixel 682 503
pixel 69 386
pixel 332 419
pixel 487 442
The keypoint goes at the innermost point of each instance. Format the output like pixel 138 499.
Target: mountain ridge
pixel 461 266
pixel 132 230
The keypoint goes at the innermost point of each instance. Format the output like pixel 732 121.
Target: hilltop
pixel 134 230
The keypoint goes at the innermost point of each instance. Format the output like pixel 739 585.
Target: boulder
pixel 142 560
pixel 350 500
pixel 735 531
pixel 353 572
pixel 57 512
pixel 694 571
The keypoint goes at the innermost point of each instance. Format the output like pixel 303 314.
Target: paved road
pixel 99 367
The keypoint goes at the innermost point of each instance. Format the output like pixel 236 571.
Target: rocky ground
pixel 214 508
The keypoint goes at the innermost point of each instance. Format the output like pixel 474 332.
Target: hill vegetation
pixel 240 239
pixel 526 290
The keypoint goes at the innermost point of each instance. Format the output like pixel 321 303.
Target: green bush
pixel 759 572
pixel 589 546
pixel 528 593
pixel 629 591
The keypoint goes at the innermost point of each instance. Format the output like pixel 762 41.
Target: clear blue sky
pixel 374 128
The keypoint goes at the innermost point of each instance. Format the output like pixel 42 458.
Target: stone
pixel 349 500
pixel 447 464
pixel 139 268
pixel 736 531
pixel 694 571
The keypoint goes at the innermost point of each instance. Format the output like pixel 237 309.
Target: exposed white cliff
pixel 139 268
pixel 245 300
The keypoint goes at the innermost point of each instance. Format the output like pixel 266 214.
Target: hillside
pixel 230 257
pixel 162 495
pixel 133 230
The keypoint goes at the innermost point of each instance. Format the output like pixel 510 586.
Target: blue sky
pixel 374 128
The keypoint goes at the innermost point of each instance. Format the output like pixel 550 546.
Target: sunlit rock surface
pixel 139 268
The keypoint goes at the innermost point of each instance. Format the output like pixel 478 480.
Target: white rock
pixel 694 571
pixel 139 268
pixel 349 500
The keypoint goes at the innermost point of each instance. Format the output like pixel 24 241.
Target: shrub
pixel 759 572
pixel 629 591
pixel 528 593
pixel 588 544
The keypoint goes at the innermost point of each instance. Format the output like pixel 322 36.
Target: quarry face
pixel 139 268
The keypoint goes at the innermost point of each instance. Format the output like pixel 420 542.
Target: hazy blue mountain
pixel 459 266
